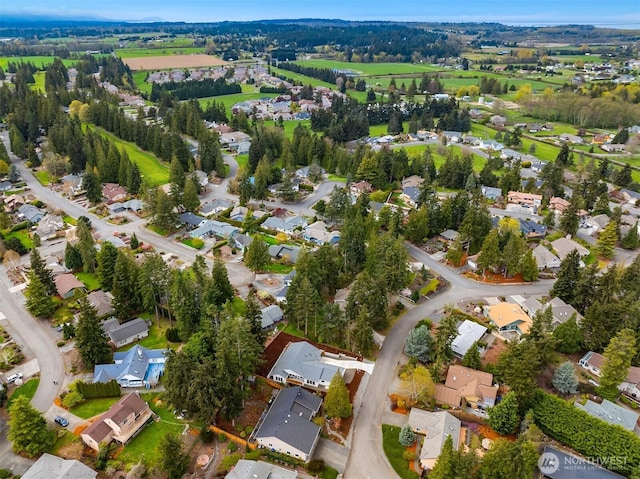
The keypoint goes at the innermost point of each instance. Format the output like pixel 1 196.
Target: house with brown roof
pixel 120 423
pixel 558 204
pixel 67 285
pixel 114 192
pixel 466 387
pixel 523 198
pixel 360 187
pixel 564 246
pixel 510 319
pixel 592 362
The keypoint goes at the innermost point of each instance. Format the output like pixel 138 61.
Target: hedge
pixel 98 390
pixel 588 435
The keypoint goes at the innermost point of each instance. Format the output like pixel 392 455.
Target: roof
pixel 563 465
pixel 132 364
pixel 412 193
pixel 271 315
pixel 118 332
pixel 216 204
pixel 532 228
pixel 438 425
pixel 217 228
pixel 67 282
pixel 611 413
pixel 303 359
pixel 190 219
pixel 132 403
pixel 505 314
pixel 30 212
pixel 279 251
pixel 545 258
pixel 101 301
pixel 245 469
pixel 465 382
pixel 450 235
pixel 468 333
pixel 115 241
pixel 593 359
pixel 289 419
pixel 490 191
pixel 53 467
pixel 564 246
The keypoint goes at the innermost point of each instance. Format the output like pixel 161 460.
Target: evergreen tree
pixel 38 303
pixel 134 244
pixel 72 257
pixel 173 460
pixel 490 256
pixel 568 336
pixel 106 258
pixel 617 360
pixel 504 417
pixel 569 221
pixel 510 460
pixel 445 467
pixel 630 240
pixel 86 247
pixel 164 216
pixel 256 256
pixel 28 429
pixel 39 267
pixel 419 344
pixel 607 240
pixel 407 437
pixel 220 280
pixel 253 315
pixel 190 199
pixel 336 402
pixel 91 186
pixel 91 342
pixel 126 295
pixel 472 358
pixel 565 379
pixel 529 266
pixel 567 278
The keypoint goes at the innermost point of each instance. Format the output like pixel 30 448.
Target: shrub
pixel 222 437
pixel 20 226
pixel 71 399
pixel 408 456
pixel 172 335
pixel 316 466
pixel 233 447
pixel 197 243
pixel 206 434
pixel 526 164
pixel 415 296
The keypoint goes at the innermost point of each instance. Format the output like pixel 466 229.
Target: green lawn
pixel 242 160
pixel 370 69
pixel 28 389
pixel 306 80
pixel 23 236
pixel 39 84
pixel 229 100
pixel 289 126
pixel 93 407
pixel 156 338
pixel 70 220
pixel 238 306
pixel 138 79
pixel 39 61
pixel 430 287
pixel 190 242
pixel 43 177
pixel 157 52
pixel 393 450
pixel 154 172
pixel 90 280
pixel 293 331
pixel 333 177
pixel 278 268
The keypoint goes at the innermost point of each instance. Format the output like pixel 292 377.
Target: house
pixel 130 205
pixel 120 423
pixel 610 412
pixel 54 467
pixel 561 311
pixel 449 235
pixel 318 233
pixel 214 228
pixel 545 258
pixel 522 198
pixel 490 192
pixel 202 178
pixel 115 241
pixel 271 315
pixel 435 427
pixel 631 385
pixel 30 213
pixel 72 183
pixel 630 195
pixel 125 333
pixel 102 302
pixel 360 187
pixel 509 318
pixel 558 204
pixel 67 285
pixel 564 246
pixel 49 225
pixel 509 154
pixel 13 202
pixel 284 252
pixel 301 363
pixel 239 213
pixel 410 195
pixel 215 207
pixel 452 136
pixel 281 295
pixel 241 241
pixel 497 120
pixel 287 425
pixel 531 229
pixel 304 171
pixel 469 332
pixel 191 220
pixel 414 181
pixel 557 464
pixel 138 367
pixel 613 147
pixel 490 145
pixel 245 469
pixel 113 192
pixel 571 138
pixel 287 226
pixel 466 387
pixel 598 222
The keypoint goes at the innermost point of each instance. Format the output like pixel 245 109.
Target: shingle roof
pixel 118 332
pixel 271 315
pixel 190 219
pixel 66 283
pixel 132 363
pixel 468 333
pixel 53 467
pixel 438 425
pixel 245 469
pixel 303 359
pixel 611 413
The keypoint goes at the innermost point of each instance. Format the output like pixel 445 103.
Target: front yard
pixel 394 452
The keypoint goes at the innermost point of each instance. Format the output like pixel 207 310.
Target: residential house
pixel 284 252
pixel 245 469
pixel 558 204
pixel 545 259
pixel 49 225
pixel 191 220
pixel 214 228
pixel 301 363
pixel 414 181
pixel 304 171
pixel 469 332
pixel 288 279
pixel 531 229
pixel 102 302
pixel 490 145
pixel 13 202
pixel 631 385
pixel 129 205
pixel 53 467
pixel 319 234
pixel 287 425
pixel 360 187
pixel 613 147
pixel 466 387
pixel 241 241
pixel 597 223
pixel 564 246
pixel 72 183
pixel 523 198
pixel 490 192
pixel 137 367
pixel 537 165
pixel 239 213
pixel 215 207
pixel 630 195
pixel 125 333
pixel 5 186
pixel 233 138
pixel 270 316
pixel 410 195
pixel 564 465
pixel 67 285
pixel 509 318
pixel 281 295
pixel 114 193
pixel 30 213
pixel 435 427
pixel 202 178
pixel 571 138
pixel 452 136
pixel 449 235
pixel 610 412
pixel 120 423
pixel 509 154
pixel 560 310
pixel 592 362
pixel 287 226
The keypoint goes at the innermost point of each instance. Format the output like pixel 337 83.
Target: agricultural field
pixel 38 61
pixel 371 69
pixel 172 61
pixel 157 51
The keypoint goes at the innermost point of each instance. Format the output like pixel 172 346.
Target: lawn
pixel 290 126
pixel 39 84
pixel 93 407
pixel 393 450
pixel 39 61
pixel 157 52
pixel 70 220
pixel 370 69
pixel 278 268
pixel 23 236
pixel 333 177
pixel 293 331
pixel 138 79
pixel 43 177
pixel 229 100
pixel 90 280
pixel 238 306
pixel 199 244
pixel 305 80
pixel 153 171
pixel 156 338
pixel 430 287
pixel 242 160
pixel 28 389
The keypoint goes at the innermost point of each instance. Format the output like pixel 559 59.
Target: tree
pixel 607 240
pixel 38 303
pixel 173 460
pixel 39 267
pixel 28 430
pixel 569 221
pixel 567 278
pixel 416 384
pixel 220 281
pixel 407 437
pixel 476 225
pixel 87 247
pixel 336 402
pixel 630 240
pixel 445 334
pixel 568 336
pixel 106 258
pixel 164 216
pixel 510 460
pixel 257 256
pixel 134 244
pixel 617 360
pixel 91 186
pixel 72 257
pixel 419 344
pixel 91 342
pixel 504 417
pixel 126 295
pixel 472 358
pixel 513 254
pixel 190 199
pixel 565 379
pixel 529 266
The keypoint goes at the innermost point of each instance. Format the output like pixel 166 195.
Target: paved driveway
pixel 333 454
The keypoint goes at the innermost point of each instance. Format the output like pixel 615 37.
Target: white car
pixel 13 378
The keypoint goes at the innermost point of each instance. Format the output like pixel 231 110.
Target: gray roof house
pixel 30 213
pixel 245 469
pixel 125 333
pixel 271 315
pixel 301 363
pixel 54 467
pixel 102 302
pixel 610 412
pixel 562 465
pixel 287 427
pixel 280 251
pixel 287 225
pixel 191 220
pixel 241 241
pixel 435 426
pixel 216 206
pixel 468 333
pixel 564 246
pixel 490 192
pixel 49 225
pixel 214 228
pixel 137 367
pixel 545 258
pixel 119 207
pixel 410 195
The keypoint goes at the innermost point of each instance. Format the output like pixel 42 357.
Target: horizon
pixel 542 13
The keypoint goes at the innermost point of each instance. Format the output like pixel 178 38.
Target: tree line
pixel 186 90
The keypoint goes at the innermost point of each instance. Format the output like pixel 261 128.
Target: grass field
pixel 156 338
pixel 230 100
pixel 153 171
pixel 370 69
pixel 90 280
pixel 28 389
pixel 23 236
pixel 43 177
pixel 302 78
pixel 394 450
pixel 38 61
pixel 39 84
pixel 138 79
pixel 157 52
pixel 93 407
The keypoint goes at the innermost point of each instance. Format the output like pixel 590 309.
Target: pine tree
pixel 568 336
pixel 336 402
pixel 39 267
pixel 134 244
pixel 630 240
pixel 220 278
pixel 86 247
pixel 504 417
pixel 407 437
pixel 38 303
pixel 28 429
pixel 472 358
pixel 106 258
pixel 529 266
pixel 419 344
pixel 253 315
pixel 190 199
pixel 173 460
pixel 567 278
pixel 90 341
pixel 126 295
pixel 565 379
pixel 256 256
pixel 164 216
pixel 607 240
pixel 72 257
pixel 617 360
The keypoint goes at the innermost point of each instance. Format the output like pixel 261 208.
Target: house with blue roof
pixel 138 367
pixel 214 228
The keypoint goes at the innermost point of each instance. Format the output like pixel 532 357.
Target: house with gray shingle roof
pixel 215 207
pixel 287 425
pixel 271 315
pixel 190 220
pixel 134 368
pixel 245 469
pixel 436 427
pixel 545 258
pixel 30 213
pixel 301 363
pixel 54 467
pixel 611 413
pixel 125 333
pixel 283 251
pixel 214 228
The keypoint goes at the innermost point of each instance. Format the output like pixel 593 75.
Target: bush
pixel 172 335
pixel 233 447
pixel 206 434
pixel 222 437
pixel 20 226
pixel 197 243
pixel 408 456
pixel 526 164
pixel 4 474
pixel 415 296
pixel 316 466
pixel 72 399
pixel 304 186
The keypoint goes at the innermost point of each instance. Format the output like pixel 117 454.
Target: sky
pixel 625 13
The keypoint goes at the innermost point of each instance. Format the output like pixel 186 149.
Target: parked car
pixel 62 421
pixel 13 378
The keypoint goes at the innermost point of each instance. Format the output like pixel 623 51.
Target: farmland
pixel 172 61
pixel 157 52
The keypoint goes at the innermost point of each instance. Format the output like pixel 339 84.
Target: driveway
pixel 333 454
